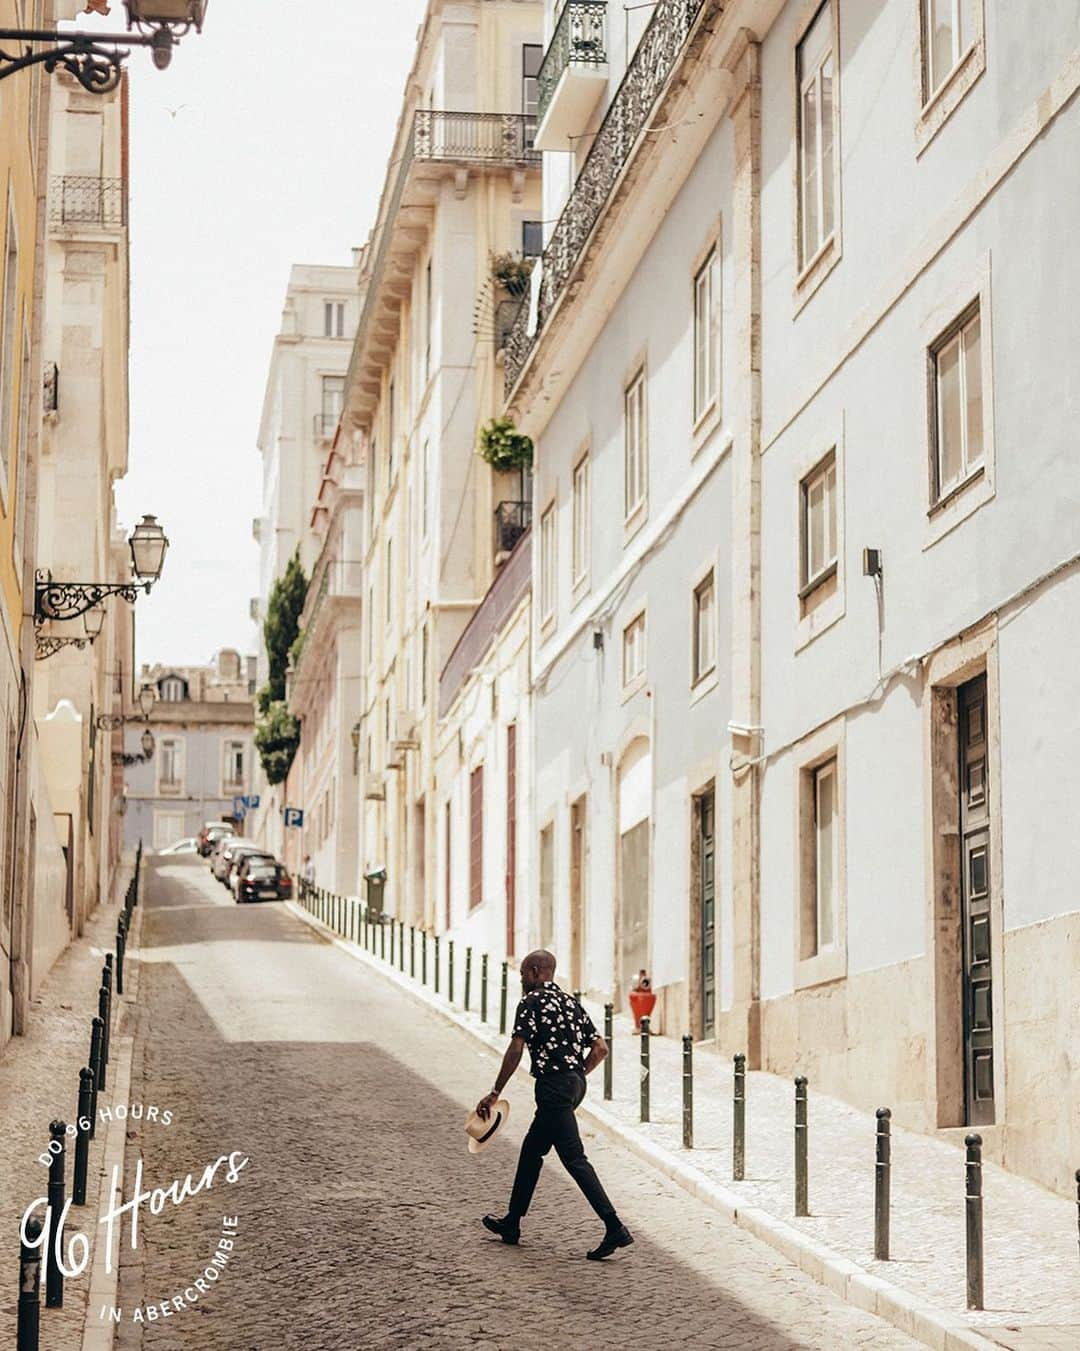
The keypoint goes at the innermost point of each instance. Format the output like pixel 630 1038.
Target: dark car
pixel 211 833
pixel 241 859
pixel 263 880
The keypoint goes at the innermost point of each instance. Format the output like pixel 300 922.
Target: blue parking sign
pixel 252 801
pixel 294 816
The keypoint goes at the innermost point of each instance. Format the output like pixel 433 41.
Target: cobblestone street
pixel 358 1215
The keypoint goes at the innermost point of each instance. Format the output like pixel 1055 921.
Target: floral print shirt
pixel 556 1029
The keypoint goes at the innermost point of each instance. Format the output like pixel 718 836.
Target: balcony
pixel 512 519
pixel 83 200
pixel 573 74
pixel 642 88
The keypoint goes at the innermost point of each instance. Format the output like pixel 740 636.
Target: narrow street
pixel 357 1217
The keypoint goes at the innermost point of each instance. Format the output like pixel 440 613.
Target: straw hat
pixel 481 1133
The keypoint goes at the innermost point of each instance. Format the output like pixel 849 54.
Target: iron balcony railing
pixel 512 519
pixel 506 313
pixel 646 76
pixel 87 200
pixel 578 39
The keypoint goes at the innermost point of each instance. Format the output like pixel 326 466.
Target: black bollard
pixel 802 1130
pixel 577 995
pixel 436 963
pixel 121 947
pixel 882 1181
pixel 738 1149
pixel 401 946
pixel 103 1055
pixel 82 1139
pixel 97 1027
pixel 450 969
pixel 688 1092
pixel 468 976
pixel 29 1288
pixel 483 987
pixel 645 1069
pixel 609 1037
pixel 412 951
pixel 423 956
pixel 973 1208
pixel 54 1279
pixel 503 990
pixel 382 936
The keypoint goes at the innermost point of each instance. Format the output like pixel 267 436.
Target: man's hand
pixel 484 1106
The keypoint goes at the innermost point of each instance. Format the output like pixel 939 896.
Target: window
pixel 424 469
pixel 233 775
pixel 389 582
pixel 334 319
pixel 548 574
pixel 825 856
pixel 476 837
pixel 815 129
pixel 580 512
pixel 704 628
pixel 547 887
pixel 532 238
pixel 944 41
pixel 173 690
pixel 423 665
pixel 633 650
pixel 171 762
pixel 25 413
pixel 956 379
pixel 371 623
pixel 9 340
pixel 427 319
pixel 532 55
pixel 705 336
pixel 818 495
pixel 333 399
pixel 390 433
pixel 636 449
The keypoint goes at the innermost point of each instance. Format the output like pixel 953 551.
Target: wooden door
pixel 706 820
pixel 975 904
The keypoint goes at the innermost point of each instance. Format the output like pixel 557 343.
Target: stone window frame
pixel 810 275
pixel 635 516
pixel 934 110
pixel 819 606
pixel 702 684
pixel 172 788
pixel 637 681
pixel 579 583
pixel 812 967
pixel 548 559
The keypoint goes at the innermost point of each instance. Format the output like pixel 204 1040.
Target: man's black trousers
pixel 557 1096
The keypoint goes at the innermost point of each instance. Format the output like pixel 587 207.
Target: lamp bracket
pixel 68 600
pixel 96 60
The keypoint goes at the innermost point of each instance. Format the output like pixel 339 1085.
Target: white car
pixel 187 846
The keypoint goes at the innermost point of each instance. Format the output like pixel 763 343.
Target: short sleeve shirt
pixel 556 1029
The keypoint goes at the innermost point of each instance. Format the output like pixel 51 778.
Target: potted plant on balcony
pixel 505 448
pixel 511 273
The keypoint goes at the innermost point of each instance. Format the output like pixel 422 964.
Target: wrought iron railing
pixel 87 200
pixel 578 39
pixel 646 76
pixel 512 519
pixel 506 313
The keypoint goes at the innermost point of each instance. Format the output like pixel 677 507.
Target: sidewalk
pixel 39 1081
pixel 1032 1275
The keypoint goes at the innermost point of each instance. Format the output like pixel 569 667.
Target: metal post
pixel 609 1036
pixel 688 1092
pixel 738 1151
pixel 802 1182
pixel 577 995
pixel 82 1138
pixel 468 976
pixel 645 1069
pixel 54 1278
pixel 401 946
pixel 974 1215
pixel 883 1164
pixel 121 947
pixel 450 969
pixel 423 956
pixel 436 963
pixel 503 990
pixel 103 1019
pixel 412 951
pixel 382 937
pixel 97 1029
pixel 1078 1206
pixel 483 987
pixel 29 1288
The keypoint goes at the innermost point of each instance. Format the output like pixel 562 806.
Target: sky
pixel 263 145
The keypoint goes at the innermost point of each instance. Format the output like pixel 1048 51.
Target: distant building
pixel 202 757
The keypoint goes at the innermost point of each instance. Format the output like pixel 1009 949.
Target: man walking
pixel 564 1046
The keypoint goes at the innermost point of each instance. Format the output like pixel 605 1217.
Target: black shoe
pixel 506 1228
pixel 620 1237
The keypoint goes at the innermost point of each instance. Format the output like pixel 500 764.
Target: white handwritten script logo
pixel 76 1259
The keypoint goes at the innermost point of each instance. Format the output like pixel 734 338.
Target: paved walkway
pixel 357 1219
pixel 39 1082
pixel 1032 1272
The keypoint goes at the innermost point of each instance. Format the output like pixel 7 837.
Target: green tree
pixel 277 732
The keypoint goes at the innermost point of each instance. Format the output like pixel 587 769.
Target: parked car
pixel 190 845
pixel 211 833
pixel 221 860
pixel 262 879
pixel 243 860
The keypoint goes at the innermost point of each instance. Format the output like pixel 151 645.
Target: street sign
pixel 239 806
pixel 294 816
pixel 252 801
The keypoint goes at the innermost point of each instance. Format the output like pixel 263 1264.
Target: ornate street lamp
pixel 146 741
pixel 96 60
pixel 68 600
pixel 47 645
pixel 111 722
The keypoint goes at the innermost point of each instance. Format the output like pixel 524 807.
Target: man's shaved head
pixel 537 967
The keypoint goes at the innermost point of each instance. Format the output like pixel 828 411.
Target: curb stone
pixel 850 1282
